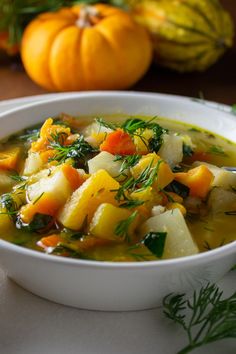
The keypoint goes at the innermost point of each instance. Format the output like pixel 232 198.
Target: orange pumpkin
pixel 85 48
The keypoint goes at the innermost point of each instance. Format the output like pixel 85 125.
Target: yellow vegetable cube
pixel 5 221
pixel 141 142
pixel 98 189
pixel 106 219
pixel 164 173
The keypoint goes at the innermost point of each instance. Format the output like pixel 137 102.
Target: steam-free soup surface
pixel 117 189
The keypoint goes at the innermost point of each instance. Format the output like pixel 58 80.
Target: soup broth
pixel 117 189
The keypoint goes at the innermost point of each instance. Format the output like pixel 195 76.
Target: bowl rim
pixel 179 262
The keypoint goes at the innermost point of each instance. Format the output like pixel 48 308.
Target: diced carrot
pixel 75 178
pixel 50 241
pixel 118 143
pixel 9 158
pixel 198 180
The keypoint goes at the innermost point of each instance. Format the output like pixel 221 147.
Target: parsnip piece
pixel 33 164
pixel 221 201
pixel 172 149
pixel 56 186
pixel 98 189
pixel 104 160
pixel 179 242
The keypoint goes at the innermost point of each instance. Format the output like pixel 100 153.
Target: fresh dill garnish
pixel 122 227
pixel 106 124
pixel 155 242
pixel 136 127
pixel 30 135
pixel 16 177
pixel 142 182
pixel 7 202
pixel 20 179
pixel 187 150
pixel 128 161
pixel 216 150
pixel 131 203
pixel 79 149
pixel 211 318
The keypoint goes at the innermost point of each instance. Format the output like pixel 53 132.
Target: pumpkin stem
pixel 88 17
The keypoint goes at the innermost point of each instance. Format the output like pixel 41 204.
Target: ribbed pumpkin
pixel 86 48
pixel 188 35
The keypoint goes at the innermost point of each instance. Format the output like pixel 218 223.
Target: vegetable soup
pixel 117 189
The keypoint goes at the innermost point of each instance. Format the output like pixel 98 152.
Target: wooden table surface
pixel 216 84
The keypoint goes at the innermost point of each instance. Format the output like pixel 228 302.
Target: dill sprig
pixel 211 317
pixel 8 203
pixel 216 150
pixel 122 227
pixel 136 127
pixel 79 149
pixel 142 182
pixel 105 124
pixel 127 162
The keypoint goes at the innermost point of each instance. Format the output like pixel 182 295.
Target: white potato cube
pixel 172 149
pixel 105 161
pixel 33 164
pixel 179 241
pixel 221 200
pixel 55 186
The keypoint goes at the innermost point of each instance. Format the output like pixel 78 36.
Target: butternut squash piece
pixel 98 189
pixel 9 158
pixel 198 179
pixel 106 219
pixel 164 174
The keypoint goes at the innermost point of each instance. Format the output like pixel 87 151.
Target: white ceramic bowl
pixel 107 285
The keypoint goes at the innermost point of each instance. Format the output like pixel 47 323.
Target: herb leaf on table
pixel 210 317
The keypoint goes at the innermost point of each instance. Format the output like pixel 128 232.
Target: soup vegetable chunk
pixel 117 189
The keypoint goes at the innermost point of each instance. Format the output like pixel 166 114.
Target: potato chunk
pixel 179 242
pixel 222 201
pixel 172 149
pixel 98 189
pixel 105 161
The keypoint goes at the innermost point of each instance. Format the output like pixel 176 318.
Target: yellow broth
pixel 209 231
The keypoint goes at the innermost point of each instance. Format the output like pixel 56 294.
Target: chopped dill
pixel 122 227
pixel 216 150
